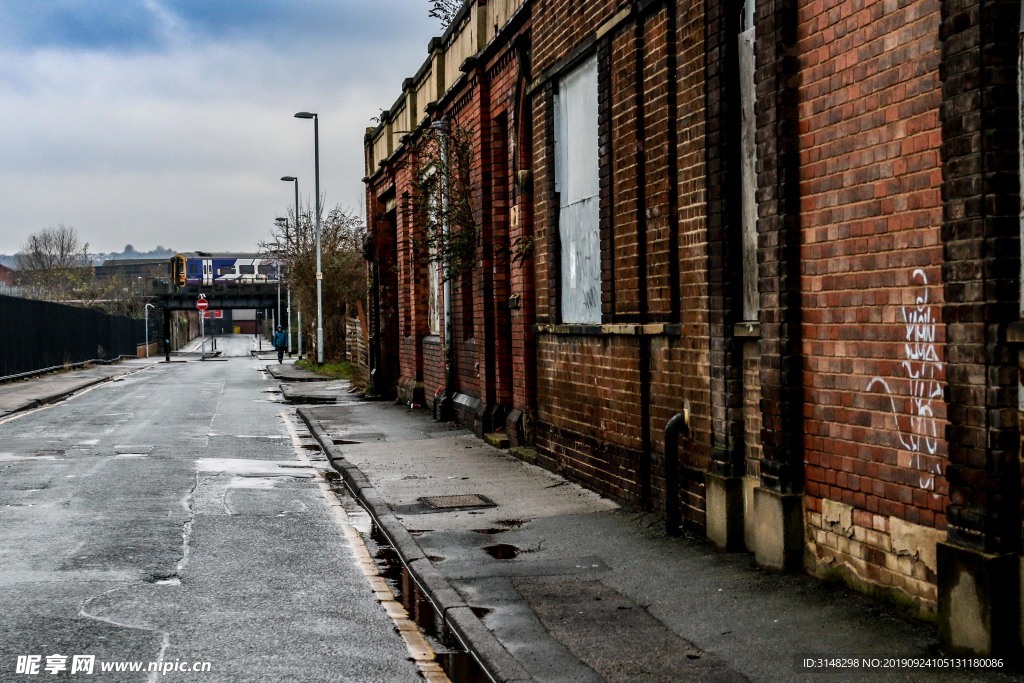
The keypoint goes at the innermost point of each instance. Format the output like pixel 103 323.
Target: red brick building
pixel 472 89
pixel 795 224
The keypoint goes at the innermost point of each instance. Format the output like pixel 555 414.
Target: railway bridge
pixel 255 296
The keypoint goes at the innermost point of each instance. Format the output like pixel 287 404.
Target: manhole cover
pixel 467 500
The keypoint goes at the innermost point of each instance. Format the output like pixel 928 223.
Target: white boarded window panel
pixel 433 281
pixel 748 171
pixel 1020 170
pixel 576 180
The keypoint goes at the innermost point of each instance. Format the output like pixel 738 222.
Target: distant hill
pixel 97 259
pixel 129 252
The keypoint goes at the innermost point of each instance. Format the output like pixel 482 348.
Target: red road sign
pixel 202 304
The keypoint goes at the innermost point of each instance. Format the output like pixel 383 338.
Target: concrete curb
pixel 462 622
pixel 57 397
pixel 288 375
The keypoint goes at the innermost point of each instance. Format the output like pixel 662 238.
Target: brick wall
pixel 876 388
pixel 873 336
pixel 492 365
pixel 606 392
pixel 982 269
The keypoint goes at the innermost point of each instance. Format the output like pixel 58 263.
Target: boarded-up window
pixel 1020 138
pixel 433 281
pixel 1020 171
pixel 576 181
pixel 748 164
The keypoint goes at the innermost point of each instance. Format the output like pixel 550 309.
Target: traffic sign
pixel 202 304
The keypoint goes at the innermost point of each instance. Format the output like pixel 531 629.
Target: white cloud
pixel 176 144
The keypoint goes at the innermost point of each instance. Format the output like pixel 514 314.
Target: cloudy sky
pixel 170 122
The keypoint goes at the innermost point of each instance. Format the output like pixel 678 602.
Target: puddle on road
pixel 132 451
pixel 503 551
pixel 460 666
pixel 39 455
pixel 167 581
pixel 256 468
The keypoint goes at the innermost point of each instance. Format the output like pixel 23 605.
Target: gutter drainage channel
pixel 432 603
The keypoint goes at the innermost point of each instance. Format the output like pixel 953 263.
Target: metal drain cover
pixel 457 502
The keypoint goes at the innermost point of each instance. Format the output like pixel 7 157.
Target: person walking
pixel 280 343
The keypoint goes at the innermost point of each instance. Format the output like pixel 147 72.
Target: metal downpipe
pixel 678 424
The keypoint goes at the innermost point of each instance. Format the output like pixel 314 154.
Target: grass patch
pixel 341 369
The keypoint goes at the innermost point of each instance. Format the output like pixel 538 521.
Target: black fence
pixel 37 335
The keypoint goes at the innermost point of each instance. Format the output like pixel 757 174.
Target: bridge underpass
pixel 251 297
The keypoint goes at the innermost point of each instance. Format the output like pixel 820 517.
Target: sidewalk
pixel 548 581
pixel 40 390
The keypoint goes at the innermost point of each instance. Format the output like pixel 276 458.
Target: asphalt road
pixel 175 516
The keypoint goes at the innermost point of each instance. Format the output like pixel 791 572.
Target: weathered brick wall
pixel 981 274
pixel 465 112
pixel 412 295
pixel 589 425
pixel 724 228
pixel 384 315
pixel 605 393
pixel 752 409
pixel 492 344
pixel 871 254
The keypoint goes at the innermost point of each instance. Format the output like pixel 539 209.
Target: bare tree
pixel 445 10
pixel 442 173
pixel 293 242
pixel 54 264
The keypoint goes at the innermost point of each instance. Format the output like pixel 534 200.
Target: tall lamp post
pixel 146 309
pixel 283 223
pixel 319 273
pixel 292 179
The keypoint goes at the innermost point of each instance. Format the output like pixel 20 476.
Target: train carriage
pixel 199 270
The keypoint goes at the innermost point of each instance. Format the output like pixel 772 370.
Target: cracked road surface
pixel 173 516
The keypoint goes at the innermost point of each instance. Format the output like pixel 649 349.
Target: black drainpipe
pixel 673 513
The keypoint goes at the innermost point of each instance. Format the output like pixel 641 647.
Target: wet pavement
pixel 182 515
pixel 564 585
pixel 41 390
pixel 182 512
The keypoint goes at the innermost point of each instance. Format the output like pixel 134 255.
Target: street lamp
pixel 319 273
pixel 146 310
pixel 293 179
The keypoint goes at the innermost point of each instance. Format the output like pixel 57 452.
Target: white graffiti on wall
pixel 922 368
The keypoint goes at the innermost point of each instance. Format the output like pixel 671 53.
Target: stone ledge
pixel 638 330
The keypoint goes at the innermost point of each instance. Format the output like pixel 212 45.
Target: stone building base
pixel 977 613
pixel 724 511
pixel 778 530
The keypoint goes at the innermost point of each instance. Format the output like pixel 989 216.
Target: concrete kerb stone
pixel 60 396
pixel 399 537
pixel 481 643
pixel 476 638
pixel 435 586
pixel 356 477
pixel 57 397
